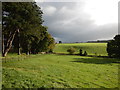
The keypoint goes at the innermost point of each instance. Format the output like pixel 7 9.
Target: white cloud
pixel 49 10
pixel 102 11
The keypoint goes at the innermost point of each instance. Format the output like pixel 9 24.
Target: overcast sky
pixel 81 21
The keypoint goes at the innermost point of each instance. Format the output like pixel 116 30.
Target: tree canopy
pixel 22 25
pixel 113 47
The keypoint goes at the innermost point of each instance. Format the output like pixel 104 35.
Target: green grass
pixel 91 48
pixel 60 71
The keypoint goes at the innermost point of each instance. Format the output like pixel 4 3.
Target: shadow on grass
pixel 93 59
pixel 97 60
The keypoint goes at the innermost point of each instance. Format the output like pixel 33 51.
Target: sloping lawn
pixel 91 48
pixel 60 71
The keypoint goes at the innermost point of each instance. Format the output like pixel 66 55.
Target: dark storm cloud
pixel 69 23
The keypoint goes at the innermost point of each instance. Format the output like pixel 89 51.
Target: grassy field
pixel 59 71
pixel 91 48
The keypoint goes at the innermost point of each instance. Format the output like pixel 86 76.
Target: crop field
pixel 91 48
pixel 60 71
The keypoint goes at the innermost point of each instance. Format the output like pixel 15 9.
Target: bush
pixel 85 53
pixel 50 51
pixel 71 50
pixel 80 52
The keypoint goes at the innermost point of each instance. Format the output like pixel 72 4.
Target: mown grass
pixel 60 71
pixel 98 49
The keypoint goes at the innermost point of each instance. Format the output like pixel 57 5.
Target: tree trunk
pixel 19 50
pixel 9 44
pixel 28 53
pixel 6 51
pixel 3 46
pixel 19 43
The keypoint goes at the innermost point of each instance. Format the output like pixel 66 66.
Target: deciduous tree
pixel 113 47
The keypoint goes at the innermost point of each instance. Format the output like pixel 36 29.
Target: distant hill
pixel 98 41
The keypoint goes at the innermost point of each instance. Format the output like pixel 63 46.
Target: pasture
pixel 61 71
pixel 91 48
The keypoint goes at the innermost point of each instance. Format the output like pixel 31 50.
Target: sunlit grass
pixel 98 49
pixel 61 71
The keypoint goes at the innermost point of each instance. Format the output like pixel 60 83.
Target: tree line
pixel 22 29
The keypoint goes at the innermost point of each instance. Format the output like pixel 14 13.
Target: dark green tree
pixel 17 17
pixel 47 44
pixel 80 52
pixel 85 53
pixel 23 19
pixel 113 47
pixel 60 41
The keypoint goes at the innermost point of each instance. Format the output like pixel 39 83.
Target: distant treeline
pixel 99 41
